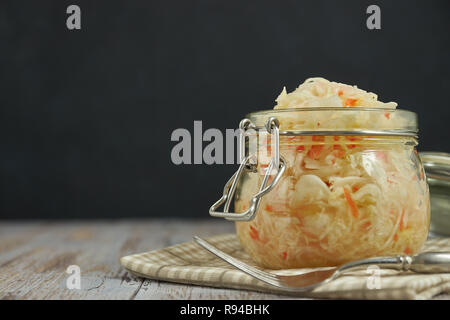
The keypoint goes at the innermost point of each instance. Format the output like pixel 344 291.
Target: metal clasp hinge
pixel 277 164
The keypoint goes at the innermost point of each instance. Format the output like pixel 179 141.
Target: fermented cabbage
pixel 341 198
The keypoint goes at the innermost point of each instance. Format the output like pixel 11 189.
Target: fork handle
pixel 426 262
pixel 431 262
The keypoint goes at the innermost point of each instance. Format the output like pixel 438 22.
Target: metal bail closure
pixel 276 163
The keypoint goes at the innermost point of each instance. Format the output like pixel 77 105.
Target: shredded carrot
pixel 407 250
pixel 315 151
pixel 421 174
pixel 284 255
pixel 350 102
pixel 387 115
pixel 269 207
pixel 340 93
pixel 355 188
pixel 254 233
pixel 366 225
pixel 318 123
pixel 336 138
pixel 300 148
pixel 318 138
pixel 351 203
pixel 353 138
pixel 395 237
pixel 351 146
pixel 291 139
pixel 340 154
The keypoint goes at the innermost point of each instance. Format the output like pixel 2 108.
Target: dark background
pixel 86 116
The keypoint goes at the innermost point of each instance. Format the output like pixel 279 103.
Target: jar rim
pixel 339 109
pixel 340 121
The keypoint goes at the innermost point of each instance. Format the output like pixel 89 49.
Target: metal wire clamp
pixel 276 163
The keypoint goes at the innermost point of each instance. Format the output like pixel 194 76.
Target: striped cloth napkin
pixel 189 263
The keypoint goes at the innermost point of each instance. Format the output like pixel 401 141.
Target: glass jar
pixel 325 186
pixel 437 169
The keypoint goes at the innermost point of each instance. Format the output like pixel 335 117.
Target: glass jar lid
pixel 436 165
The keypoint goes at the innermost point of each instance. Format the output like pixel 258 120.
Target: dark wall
pixel 86 116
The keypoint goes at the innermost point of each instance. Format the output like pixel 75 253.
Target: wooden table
pixel 34 257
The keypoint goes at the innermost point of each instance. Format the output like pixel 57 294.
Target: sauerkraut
pixel 341 198
pixel 319 92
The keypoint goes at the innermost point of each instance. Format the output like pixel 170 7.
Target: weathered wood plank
pixel 34 257
pixel 38 269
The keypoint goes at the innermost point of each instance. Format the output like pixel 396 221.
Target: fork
pixel 426 262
